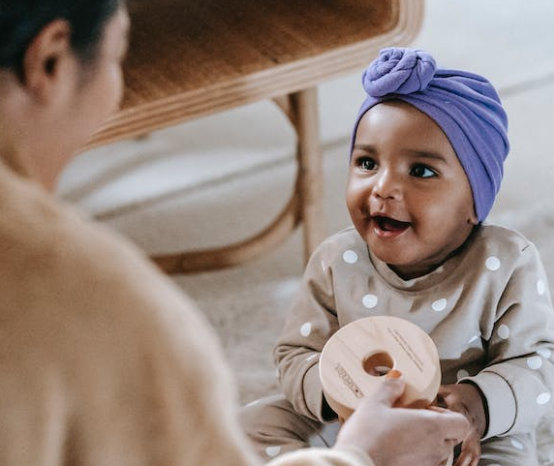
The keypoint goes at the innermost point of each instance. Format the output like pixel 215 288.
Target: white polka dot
pixel 545 352
pixel 370 301
pixel 493 263
pixel 350 257
pixel 309 358
pixel 439 305
pixel 272 452
pixel 306 329
pixel 517 444
pixel 473 338
pixel 541 287
pixel 504 331
pixel 543 398
pixel 462 373
pixel 534 362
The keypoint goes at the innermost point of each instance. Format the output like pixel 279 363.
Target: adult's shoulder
pixel 70 280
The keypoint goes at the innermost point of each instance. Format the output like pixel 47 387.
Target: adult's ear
pixel 44 61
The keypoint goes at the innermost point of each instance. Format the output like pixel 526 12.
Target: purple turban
pixel 465 105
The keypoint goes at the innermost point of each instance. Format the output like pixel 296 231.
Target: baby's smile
pixel 388 227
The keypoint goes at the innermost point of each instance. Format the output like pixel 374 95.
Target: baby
pixel 426 163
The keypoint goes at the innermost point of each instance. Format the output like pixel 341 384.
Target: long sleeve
pixel 310 322
pixel 518 380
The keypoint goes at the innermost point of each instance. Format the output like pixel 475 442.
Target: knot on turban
pixel 401 71
pixel 465 105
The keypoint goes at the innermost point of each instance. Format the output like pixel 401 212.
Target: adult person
pixel 102 360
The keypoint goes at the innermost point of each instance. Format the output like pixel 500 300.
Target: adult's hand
pixel 400 436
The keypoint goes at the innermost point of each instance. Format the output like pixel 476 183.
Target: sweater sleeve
pixel 309 324
pixel 518 382
pixel 323 457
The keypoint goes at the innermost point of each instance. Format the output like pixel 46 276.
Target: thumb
pixel 391 390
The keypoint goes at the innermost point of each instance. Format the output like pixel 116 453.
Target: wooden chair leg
pixel 305 202
pixel 310 166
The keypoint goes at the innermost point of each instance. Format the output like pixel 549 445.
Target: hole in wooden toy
pixel 378 364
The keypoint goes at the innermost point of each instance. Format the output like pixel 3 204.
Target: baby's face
pixel 407 194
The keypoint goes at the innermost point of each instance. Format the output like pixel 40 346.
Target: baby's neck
pixel 407 275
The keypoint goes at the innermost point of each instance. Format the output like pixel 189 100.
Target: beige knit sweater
pixel 102 360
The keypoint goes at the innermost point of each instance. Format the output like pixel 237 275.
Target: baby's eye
pixel 422 171
pixel 366 163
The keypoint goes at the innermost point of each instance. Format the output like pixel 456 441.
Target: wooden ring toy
pixel 360 354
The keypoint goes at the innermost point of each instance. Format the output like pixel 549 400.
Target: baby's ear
pixel 473 220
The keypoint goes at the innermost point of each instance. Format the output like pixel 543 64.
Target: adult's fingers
pixel 466 459
pixel 390 390
pixel 454 426
pixel 471 450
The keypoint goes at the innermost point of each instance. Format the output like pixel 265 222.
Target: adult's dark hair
pixel 22 20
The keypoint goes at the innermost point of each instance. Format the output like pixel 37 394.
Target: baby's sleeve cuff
pixel 313 396
pixel 500 400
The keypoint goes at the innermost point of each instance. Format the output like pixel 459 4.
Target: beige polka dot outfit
pixel 488 310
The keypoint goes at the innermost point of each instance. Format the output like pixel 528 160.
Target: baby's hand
pixel 466 399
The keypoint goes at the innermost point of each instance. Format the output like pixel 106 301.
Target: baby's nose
pixel 388 185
